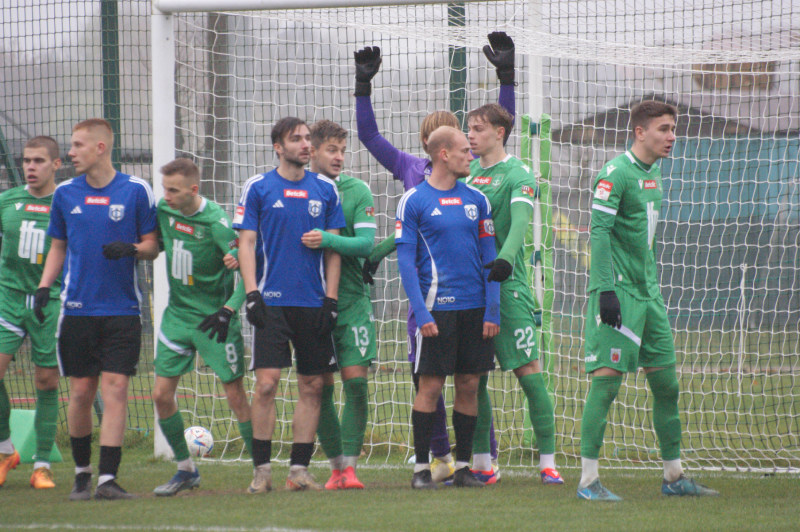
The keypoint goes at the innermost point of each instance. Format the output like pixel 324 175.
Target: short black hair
pixel 285 126
pixel 644 112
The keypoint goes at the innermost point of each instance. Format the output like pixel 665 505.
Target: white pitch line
pixel 164 528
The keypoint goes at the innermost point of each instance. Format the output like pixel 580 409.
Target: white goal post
pixel 729 230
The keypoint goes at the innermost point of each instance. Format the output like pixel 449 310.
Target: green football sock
pixel 602 393
pixel 45 422
pixel 666 420
pixel 541 412
pixel 480 441
pixel 246 430
pixel 5 412
pixel 172 427
pixel 328 430
pixel 354 417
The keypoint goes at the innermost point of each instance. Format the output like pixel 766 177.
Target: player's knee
pixel 310 387
pixel 265 388
pixel 665 386
pixel 46 380
pixel 237 399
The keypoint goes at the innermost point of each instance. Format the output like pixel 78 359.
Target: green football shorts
pixel 179 340
pixel 645 339
pixel 355 336
pixel 516 345
pixel 17 320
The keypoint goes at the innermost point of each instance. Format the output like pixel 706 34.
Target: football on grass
pixel 199 440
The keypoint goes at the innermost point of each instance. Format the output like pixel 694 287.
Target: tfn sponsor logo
pixel 292 193
pixel 74 304
pixel 184 228
pixel 45 209
pixel 445 300
pixel 482 180
pixel 182 264
pixel 97 200
pixel 603 191
pixel 650 184
pixel 31 242
pixel 272 295
pixel 449 201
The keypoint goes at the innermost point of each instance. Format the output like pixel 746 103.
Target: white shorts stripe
pixel 418 336
pixel 630 334
pixel 185 351
pixel 13 328
pixel 602 208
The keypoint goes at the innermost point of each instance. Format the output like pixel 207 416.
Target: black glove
pixel 610 314
pixel 256 310
pixel 500 53
pixel 368 270
pixel 368 61
pixel 117 250
pixel 326 319
pixel 218 324
pixel 40 300
pixel 501 270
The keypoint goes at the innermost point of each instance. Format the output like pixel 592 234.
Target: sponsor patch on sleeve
pixel 603 191
pixel 233 244
pixel 528 191
pixel 370 211
pixel 238 217
pixel 486 228
pixel 398 229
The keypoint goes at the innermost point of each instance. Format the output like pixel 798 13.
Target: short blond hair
pixel 443 138
pixel 96 124
pixel 434 121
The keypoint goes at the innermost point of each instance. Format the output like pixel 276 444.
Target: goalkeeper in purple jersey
pixel 626 321
pixel 411 171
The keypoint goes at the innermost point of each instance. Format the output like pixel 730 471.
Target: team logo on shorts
pixel 314 208
pixel 116 212
pixel 616 355
pixel 472 211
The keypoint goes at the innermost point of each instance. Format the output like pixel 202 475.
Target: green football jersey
pixel 626 205
pixel 23 226
pixel 199 282
pixel 505 183
pixel 359 211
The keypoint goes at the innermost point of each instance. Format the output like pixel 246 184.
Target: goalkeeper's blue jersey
pixel 288 273
pixel 445 228
pixel 88 218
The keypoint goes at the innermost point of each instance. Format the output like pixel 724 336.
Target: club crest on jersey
pixel 616 355
pixel 116 212
pixel 44 209
pixel 486 228
pixel 482 180
pixel 603 191
pixel 472 211
pixel 449 201
pixel 497 180
pixel 199 233
pixel 314 207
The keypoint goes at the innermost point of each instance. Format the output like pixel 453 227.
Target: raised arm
pixel 500 53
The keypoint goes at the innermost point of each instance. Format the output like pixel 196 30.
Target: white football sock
pixel 186 465
pixel 336 463
pixel 87 469
pixel 6 447
pixel 349 461
pixel 672 470
pixel 37 465
pixel 421 467
pixel 589 472
pixel 547 461
pixel 102 479
pixel 481 462
pixel 462 465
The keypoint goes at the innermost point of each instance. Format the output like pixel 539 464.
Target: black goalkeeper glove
pixel 256 310
pixel 118 250
pixel 501 270
pixel 368 270
pixel 500 53
pixel 218 324
pixel 610 313
pixel 40 300
pixel 368 61
pixel 326 319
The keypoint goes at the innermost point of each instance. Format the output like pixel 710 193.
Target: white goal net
pixel 727 244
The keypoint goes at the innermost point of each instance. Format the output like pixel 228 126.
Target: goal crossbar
pixel 199 6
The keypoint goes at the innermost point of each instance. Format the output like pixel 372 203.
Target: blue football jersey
pixel 280 211
pixel 445 228
pixel 88 218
